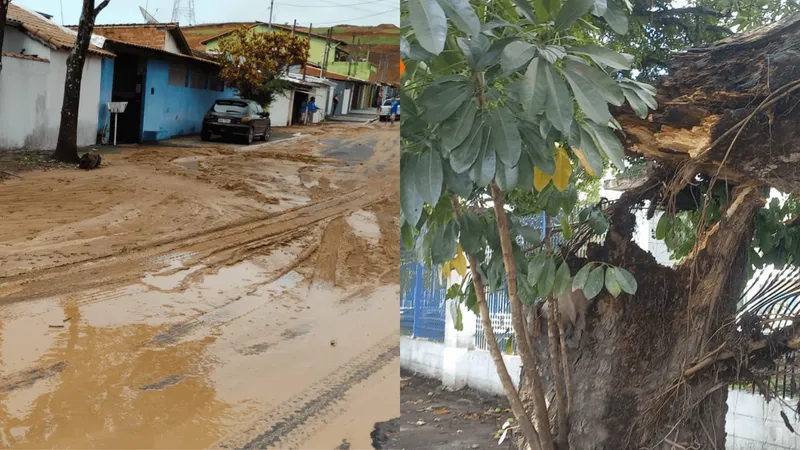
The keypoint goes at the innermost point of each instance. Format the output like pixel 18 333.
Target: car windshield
pixel 230 107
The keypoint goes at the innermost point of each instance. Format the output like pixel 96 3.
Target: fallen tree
pixel 648 361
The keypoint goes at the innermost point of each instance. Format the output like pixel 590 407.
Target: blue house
pixel 168 86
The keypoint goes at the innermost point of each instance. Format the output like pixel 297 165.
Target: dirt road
pixel 204 297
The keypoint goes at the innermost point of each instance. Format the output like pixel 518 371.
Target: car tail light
pixel 246 119
pixel 207 116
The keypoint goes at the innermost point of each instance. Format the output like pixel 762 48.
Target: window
pixel 177 75
pixel 231 106
pixel 217 84
pixel 198 79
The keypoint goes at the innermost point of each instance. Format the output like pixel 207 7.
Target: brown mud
pixel 155 304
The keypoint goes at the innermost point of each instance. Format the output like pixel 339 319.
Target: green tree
pixel 507 108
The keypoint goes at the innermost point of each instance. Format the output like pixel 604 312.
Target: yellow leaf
pixel 540 179
pixel 459 263
pixel 584 162
pixel 563 170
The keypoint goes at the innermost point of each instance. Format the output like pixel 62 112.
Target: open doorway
pixel 128 84
pixel 299 99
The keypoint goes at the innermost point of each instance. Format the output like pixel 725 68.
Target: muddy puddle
pixel 190 162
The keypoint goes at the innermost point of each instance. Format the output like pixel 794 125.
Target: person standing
pixel 312 108
pixel 335 104
pixel 303 112
pixel 394 110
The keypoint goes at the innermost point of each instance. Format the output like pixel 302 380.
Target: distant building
pixel 168 86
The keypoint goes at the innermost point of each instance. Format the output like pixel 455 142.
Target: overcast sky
pixel 324 13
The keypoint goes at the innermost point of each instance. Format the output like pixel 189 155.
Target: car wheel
pixel 250 136
pixel 205 135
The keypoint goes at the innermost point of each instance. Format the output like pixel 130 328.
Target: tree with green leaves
pixel 515 99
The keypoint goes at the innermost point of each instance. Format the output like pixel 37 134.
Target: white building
pixel 35 51
pixel 285 110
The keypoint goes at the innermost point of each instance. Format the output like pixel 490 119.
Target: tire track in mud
pixel 116 269
pixel 286 426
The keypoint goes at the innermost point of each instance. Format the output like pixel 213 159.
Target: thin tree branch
pixel 529 360
pixel 717 356
pixel 100 7
pixel 491 341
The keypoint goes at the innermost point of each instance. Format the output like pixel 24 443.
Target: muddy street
pixel 196 297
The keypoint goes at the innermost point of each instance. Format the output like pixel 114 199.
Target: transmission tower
pixel 183 12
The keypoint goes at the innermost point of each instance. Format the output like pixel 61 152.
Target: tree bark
pixel 3 16
pixel 67 145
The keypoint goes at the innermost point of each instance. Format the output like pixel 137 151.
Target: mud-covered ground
pixel 204 297
pixel 435 418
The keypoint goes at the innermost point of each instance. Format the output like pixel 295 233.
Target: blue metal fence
pixel 422 299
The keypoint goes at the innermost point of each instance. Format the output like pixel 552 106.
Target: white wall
pixel 31 95
pixel 171 45
pixel 280 110
pixel 15 41
pixel 753 424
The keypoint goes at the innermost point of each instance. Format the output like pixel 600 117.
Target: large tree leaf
pixel 607 88
pixel 440 104
pixel 516 55
pixel 612 285
pixel 599 7
pixel 563 170
pixel 505 136
pixel 492 54
pixel 506 176
pixel 608 142
pixel 625 280
pixel 594 283
pixel 455 130
pixel 525 172
pixel 430 176
pixel 570 12
pixel 462 15
pixel 463 157
pixel 562 280
pixel 540 179
pixel 471 49
pixel 404 47
pixel 581 277
pixel 411 200
pixel 534 88
pixel 429 23
pixel 472 232
pixel 540 153
pixel 545 285
pixel 616 17
pixel 409 105
pixel 524 6
pixel 445 244
pixel 552 53
pixel 588 97
pixel 558 107
pixel 636 102
pixel 536 268
pixel 458 183
pixel 602 56
pixel 588 155
pixel 485 167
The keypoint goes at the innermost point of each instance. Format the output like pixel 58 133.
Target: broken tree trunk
pixel 67 145
pixel 652 370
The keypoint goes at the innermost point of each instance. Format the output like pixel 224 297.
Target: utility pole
pixel 305 66
pixel 271 6
pixel 294 25
pixel 327 52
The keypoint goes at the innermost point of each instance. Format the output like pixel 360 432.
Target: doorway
pixel 300 98
pixel 129 74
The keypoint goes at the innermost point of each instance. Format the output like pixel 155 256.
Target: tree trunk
pixel 627 374
pixel 67 146
pixel 3 15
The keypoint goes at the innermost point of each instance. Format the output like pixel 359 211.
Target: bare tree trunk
pixel 628 380
pixel 3 14
pixel 67 146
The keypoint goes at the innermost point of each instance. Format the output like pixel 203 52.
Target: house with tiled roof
pixel 168 85
pixel 35 51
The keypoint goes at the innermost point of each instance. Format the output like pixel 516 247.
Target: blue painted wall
pixel 173 110
pixel 106 84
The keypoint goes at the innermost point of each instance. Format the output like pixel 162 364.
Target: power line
pixel 343 21
pixel 330 6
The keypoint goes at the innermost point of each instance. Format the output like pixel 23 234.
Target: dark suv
pixel 236 117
